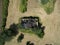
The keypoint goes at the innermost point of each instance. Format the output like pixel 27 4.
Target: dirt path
pixel 51 22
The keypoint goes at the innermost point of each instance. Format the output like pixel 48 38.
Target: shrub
pixel 38 30
pixel 14 29
pixel 49 10
pixel 4 13
pixel 40 34
pixel 5 35
pixel 23 6
pixel 44 1
pixel 2 41
pixel 20 37
pixel 8 34
pixel 29 43
pixel 48 5
pixel 32 44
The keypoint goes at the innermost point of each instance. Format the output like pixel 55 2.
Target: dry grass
pixel 52 22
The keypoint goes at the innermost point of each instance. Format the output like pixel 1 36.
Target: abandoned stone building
pixel 29 22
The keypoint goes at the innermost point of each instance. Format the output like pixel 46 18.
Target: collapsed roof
pixel 29 22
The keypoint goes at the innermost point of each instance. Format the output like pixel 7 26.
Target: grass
pixel 4 13
pixel 23 6
pixel 26 31
pixel 3 35
pixel 48 5
pixel 44 1
pixel 37 31
pixel 8 34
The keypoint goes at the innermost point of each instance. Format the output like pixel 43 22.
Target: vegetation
pixel 20 38
pixel 8 34
pixel 39 31
pixel 4 13
pixel 29 43
pixel 3 35
pixel 48 5
pixel 23 6
pixel 44 1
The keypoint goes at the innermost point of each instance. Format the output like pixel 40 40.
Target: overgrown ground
pixel 48 5
pixel 23 5
pixel 52 22
pixel 0 14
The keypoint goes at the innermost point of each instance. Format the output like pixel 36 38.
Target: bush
pixel 44 1
pixel 4 13
pixel 29 43
pixel 20 37
pixel 39 30
pixel 48 5
pixel 8 34
pixel 49 10
pixel 14 29
pixel 40 34
pixel 32 44
pixel 2 41
pixel 3 37
pixel 23 6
